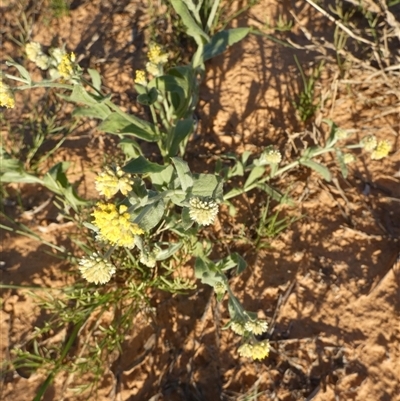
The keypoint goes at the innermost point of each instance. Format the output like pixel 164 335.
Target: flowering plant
pixel 152 212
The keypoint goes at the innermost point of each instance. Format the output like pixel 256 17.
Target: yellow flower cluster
pixel 114 225
pixel 259 350
pixel 66 66
pixel 382 150
pixel 110 181
pixel 140 78
pixel 156 55
pixel 6 96
pixel 156 60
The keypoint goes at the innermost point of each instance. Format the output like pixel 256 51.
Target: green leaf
pixel 96 78
pixel 187 222
pixel 150 215
pixel 208 272
pixel 178 90
pixel 208 185
pixel 166 253
pixel 319 168
pixel 182 130
pixel 163 178
pixel 56 181
pixel 192 27
pixel 254 175
pixel 343 167
pixel 80 95
pixel 240 262
pixel 274 194
pixel 220 42
pixel 130 148
pixel 233 192
pixel 12 170
pixel 183 171
pixel 118 124
pixel 100 111
pixel 147 99
pixel 21 177
pixel 23 71
pixel 141 165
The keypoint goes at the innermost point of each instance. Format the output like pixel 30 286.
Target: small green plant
pixel 59 8
pixel 305 105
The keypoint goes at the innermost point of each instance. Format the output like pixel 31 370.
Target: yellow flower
pixel 156 55
pixel 382 150
pixel 369 143
pixel 6 96
pixel 203 210
pixel 110 181
pixel 260 350
pixel 66 68
pixel 140 77
pixel 96 269
pixel 114 225
pixel 256 327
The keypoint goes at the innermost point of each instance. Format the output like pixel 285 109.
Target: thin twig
pixel 339 24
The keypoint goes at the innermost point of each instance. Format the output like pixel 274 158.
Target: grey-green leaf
pixel 319 168
pixel 96 78
pixel 141 165
pixel 220 42
pixel 192 27
pixel 183 171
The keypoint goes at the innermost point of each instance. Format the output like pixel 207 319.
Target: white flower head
pixel 96 269
pixel 57 54
pixel 43 61
pixel 148 258
pixel 203 210
pixel 369 142
pixel 246 350
pixel 33 50
pixel 349 158
pixel 256 327
pixel 238 328
pixel 153 69
pixel 269 156
pixel 341 134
